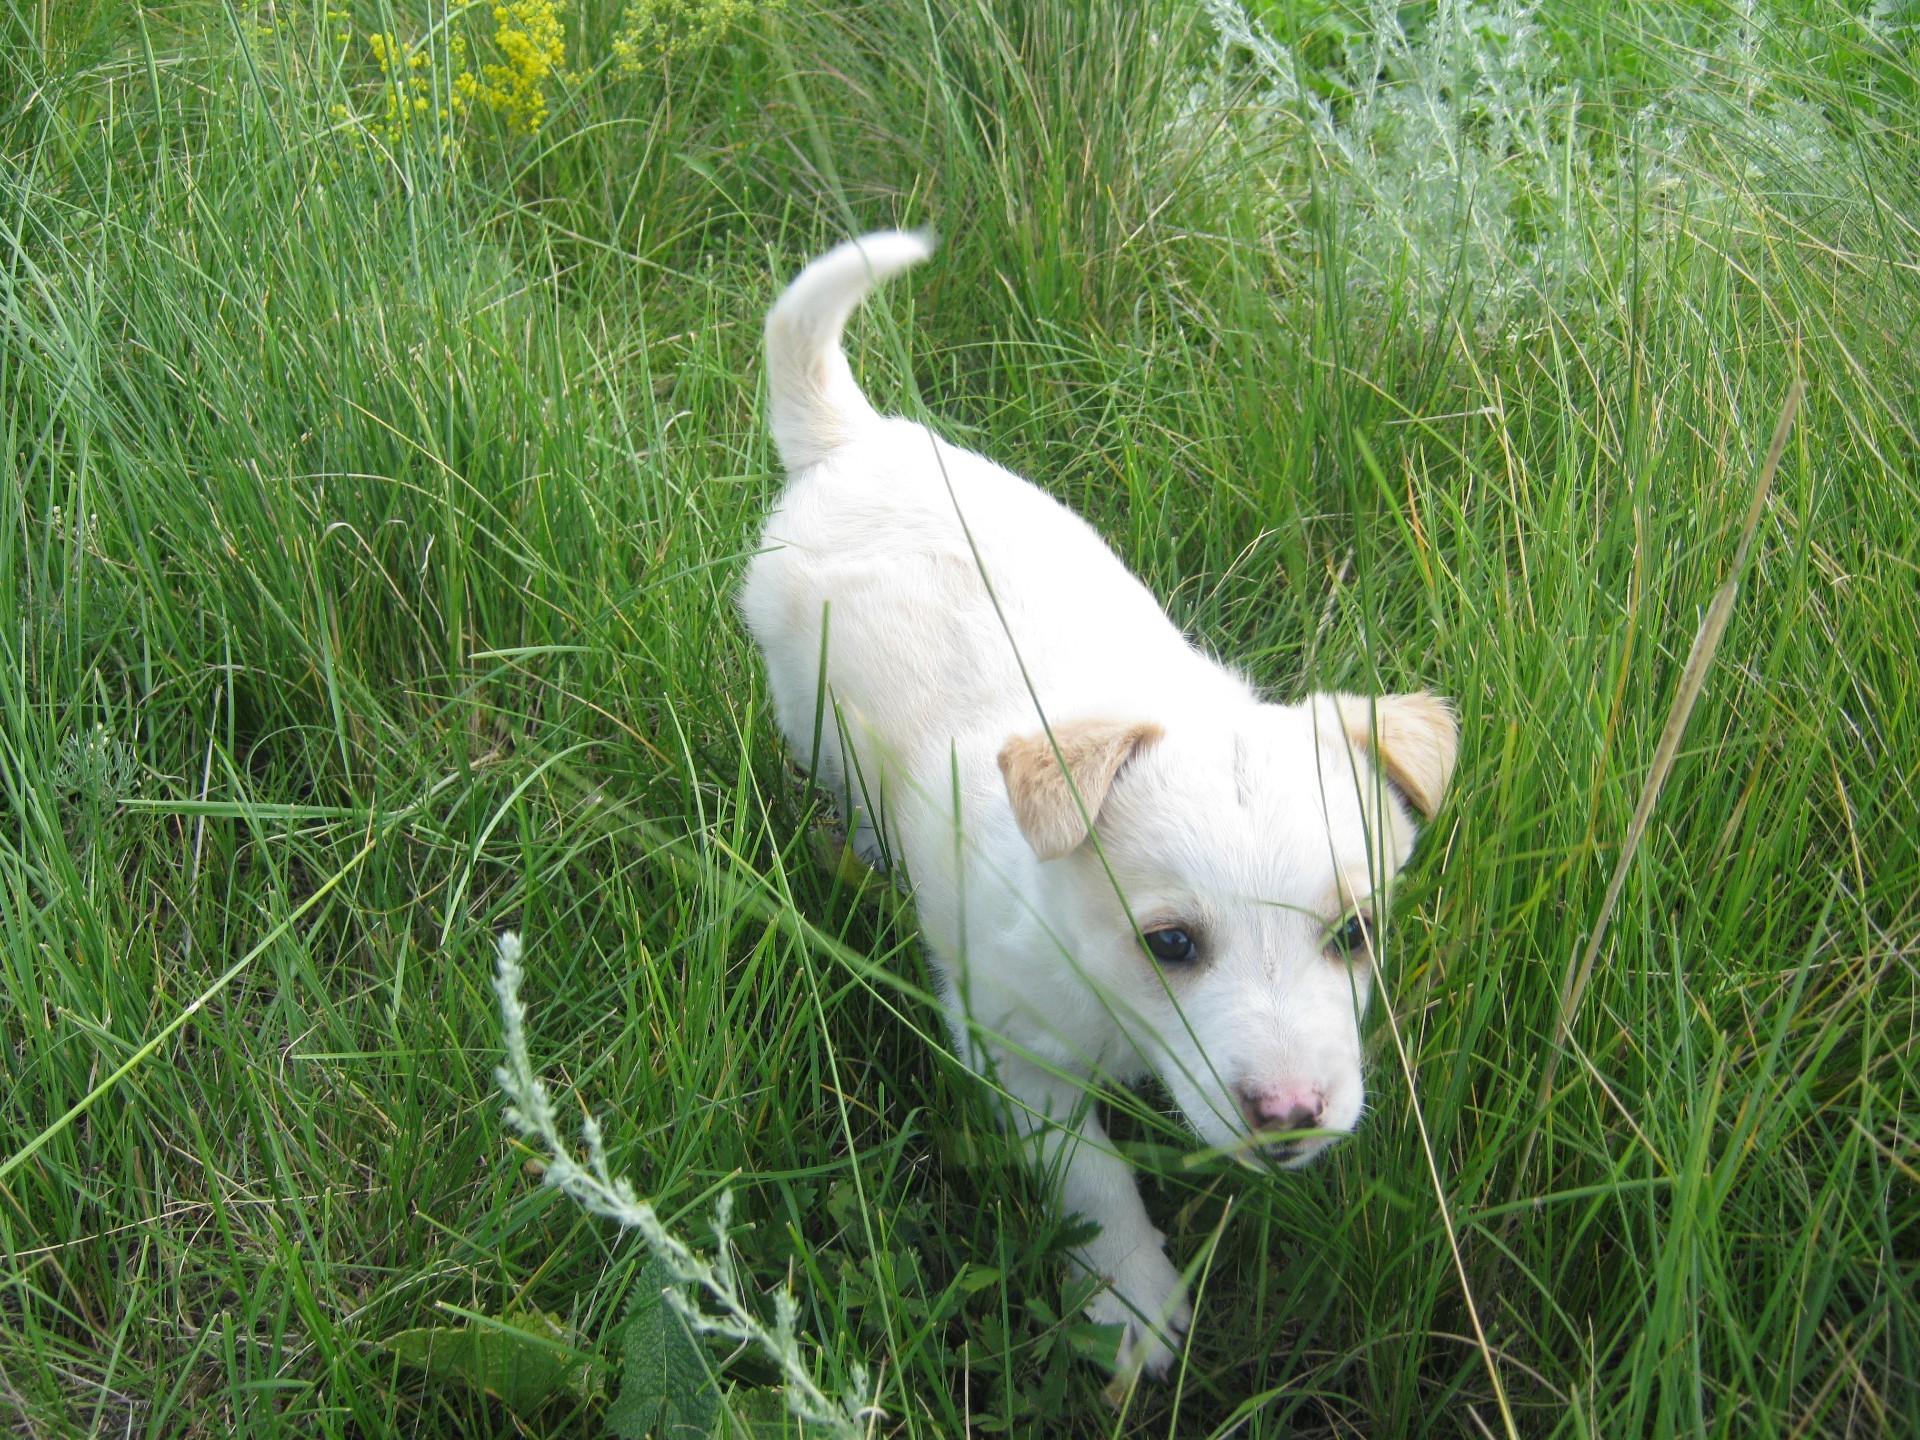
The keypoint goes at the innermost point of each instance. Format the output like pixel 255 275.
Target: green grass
pixel 372 513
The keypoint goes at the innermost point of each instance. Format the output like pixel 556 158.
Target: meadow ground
pixel 381 448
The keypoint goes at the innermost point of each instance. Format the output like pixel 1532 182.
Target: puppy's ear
pixel 1413 737
pixel 1043 802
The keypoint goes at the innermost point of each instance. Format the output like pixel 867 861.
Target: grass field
pixel 382 445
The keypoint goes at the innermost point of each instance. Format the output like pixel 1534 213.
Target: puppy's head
pixel 1255 851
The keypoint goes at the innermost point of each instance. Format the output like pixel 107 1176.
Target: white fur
pixel 1256 827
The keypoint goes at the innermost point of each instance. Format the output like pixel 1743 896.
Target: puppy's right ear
pixel 1043 800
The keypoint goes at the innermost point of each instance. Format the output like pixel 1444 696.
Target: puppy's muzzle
pixel 1285 1121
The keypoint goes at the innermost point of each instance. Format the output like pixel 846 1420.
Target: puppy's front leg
pixel 1069 1147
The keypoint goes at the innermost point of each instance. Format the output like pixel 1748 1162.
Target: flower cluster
pixel 532 42
pixel 431 81
pixel 655 30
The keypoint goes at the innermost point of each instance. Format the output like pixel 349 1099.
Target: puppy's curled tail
pixel 814 403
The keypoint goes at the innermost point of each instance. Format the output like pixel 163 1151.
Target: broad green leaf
pixel 666 1390
pixel 975 1278
pixel 522 1358
pixel 761 1414
pixel 1098 1343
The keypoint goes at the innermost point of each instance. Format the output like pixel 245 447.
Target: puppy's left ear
pixel 1043 802
pixel 1413 737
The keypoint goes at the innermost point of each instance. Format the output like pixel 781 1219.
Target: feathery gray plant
pixel 1453 150
pixel 531 1114
pixel 1462 165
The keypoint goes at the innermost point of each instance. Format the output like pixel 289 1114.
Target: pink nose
pixel 1283 1107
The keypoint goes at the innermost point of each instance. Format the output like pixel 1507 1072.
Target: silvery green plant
pixel 1466 181
pixel 94 772
pixel 531 1114
pixel 102 768
pixel 1452 147
pixel 1738 103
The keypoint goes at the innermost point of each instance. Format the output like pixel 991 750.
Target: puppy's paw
pixel 1148 1300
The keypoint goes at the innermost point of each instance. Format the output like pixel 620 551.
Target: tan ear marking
pixel 1043 802
pixel 1413 737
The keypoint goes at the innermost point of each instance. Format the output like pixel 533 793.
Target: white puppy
pixel 1123 861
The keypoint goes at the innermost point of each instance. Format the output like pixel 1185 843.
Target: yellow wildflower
pixel 428 79
pixel 652 30
pixel 532 41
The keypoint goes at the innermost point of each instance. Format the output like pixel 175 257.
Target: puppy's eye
pixel 1172 946
pixel 1352 938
